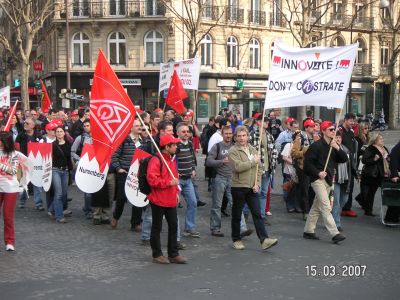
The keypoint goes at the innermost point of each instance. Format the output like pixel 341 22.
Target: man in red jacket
pixel 164 197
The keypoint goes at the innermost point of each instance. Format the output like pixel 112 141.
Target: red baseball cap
pixel 289 120
pixel 74 113
pixel 256 115
pixel 188 114
pixel 168 139
pixel 325 125
pixel 309 123
pixel 51 126
pixel 158 109
pixel 57 122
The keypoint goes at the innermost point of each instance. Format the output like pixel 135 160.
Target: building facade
pixel 235 52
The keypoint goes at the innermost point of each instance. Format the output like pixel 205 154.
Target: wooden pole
pixel 260 143
pixel 330 148
pixel 155 145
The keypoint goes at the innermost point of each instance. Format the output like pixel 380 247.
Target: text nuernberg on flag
pixel 309 76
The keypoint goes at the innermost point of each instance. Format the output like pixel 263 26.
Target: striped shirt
pixel 186 160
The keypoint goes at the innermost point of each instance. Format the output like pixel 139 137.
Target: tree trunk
pixel 24 85
pixel 392 105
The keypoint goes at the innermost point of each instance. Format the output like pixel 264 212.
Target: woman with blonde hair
pixel 376 168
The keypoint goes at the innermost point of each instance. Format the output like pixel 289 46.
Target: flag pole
pixel 259 145
pixel 330 147
pixel 12 112
pixel 155 145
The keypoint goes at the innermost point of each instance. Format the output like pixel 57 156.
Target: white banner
pixel 5 96
pixel 132 192
pixel 188 72
pixel 309 76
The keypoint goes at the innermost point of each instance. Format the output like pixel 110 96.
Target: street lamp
pixel 68 45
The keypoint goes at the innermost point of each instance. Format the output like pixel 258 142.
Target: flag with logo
pixel 309 76
pixel 111 110
pixel 46 102
pixel 176 94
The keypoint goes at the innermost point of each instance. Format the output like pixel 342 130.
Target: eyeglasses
pixel 331 129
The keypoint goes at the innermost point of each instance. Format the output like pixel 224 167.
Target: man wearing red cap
pixel 321 181
pixel 164 197
pixel 300 146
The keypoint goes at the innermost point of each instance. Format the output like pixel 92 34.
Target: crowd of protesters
pixel 320 165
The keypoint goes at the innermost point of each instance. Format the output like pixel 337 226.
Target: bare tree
pixel 24 18
pixel 198 17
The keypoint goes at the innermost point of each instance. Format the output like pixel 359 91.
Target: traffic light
pixel 239 84
pixel 17 82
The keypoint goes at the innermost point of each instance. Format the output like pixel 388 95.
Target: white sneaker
pixel 238 245
pixel 268 213
pixel 10 247
pixel 268 243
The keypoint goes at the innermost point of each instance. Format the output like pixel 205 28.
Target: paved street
pixel 78 260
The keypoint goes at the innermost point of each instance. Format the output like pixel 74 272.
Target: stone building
pixel 136 35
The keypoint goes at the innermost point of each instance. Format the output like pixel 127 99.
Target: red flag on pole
pixel 46 102
pixel 12 113
pixel 140 154
pixel 176 94
pixel 111 110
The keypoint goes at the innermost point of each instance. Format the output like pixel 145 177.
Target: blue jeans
pixel 60 186
pixel 221 185
pixel 191 203
pixel 37 196
pixel 146 225
pixel 340 198
pixel 263 192
pixel 87 208
pixel 196 189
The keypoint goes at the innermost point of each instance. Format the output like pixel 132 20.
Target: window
pixel 232 52
pixel 337 10
pixel 154 8
pixel 385 53
pixel 80 8
pixel 276 18
pixel 80 49
pixel 359 11
pixel 206 51
pixel 207 9
pixel 315 14
pixel 117 7
pixel 233 13
pixel 154 44
pixel 314 41
pixel 117 48
pixel 272 50
pixel 254 54
pixel 255 11
pixel 337 42
pixel 362 52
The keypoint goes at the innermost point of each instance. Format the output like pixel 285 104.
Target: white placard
pixel 188 72
pixel 5 96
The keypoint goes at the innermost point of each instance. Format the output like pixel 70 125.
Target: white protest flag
pixel 309 76
pixel 188 72
pixel 5 96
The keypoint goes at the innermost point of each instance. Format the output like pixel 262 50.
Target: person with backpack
pixel 164 197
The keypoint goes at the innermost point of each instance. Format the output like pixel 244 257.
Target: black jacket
pixel 373 170
pixel 23 139
pixel 315 159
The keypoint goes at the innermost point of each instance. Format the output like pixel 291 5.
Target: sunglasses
pixel 331 129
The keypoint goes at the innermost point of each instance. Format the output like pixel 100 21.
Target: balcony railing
pixel 117 9
pixel 234 14
pixel 340 20
pixel 211 12
pixel 362 70
pixel 257 17
pixel 277 19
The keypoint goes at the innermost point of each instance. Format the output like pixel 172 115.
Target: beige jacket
pixel 244 169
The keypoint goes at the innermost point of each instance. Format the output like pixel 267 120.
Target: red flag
pixel 111 110
pixel 10 117
pixel 139 154
pixel 46 102
pixel 176 94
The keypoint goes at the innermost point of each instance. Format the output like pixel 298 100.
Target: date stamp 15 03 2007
pixel 336 271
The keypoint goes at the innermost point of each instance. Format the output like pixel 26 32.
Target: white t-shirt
pixel 214 139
